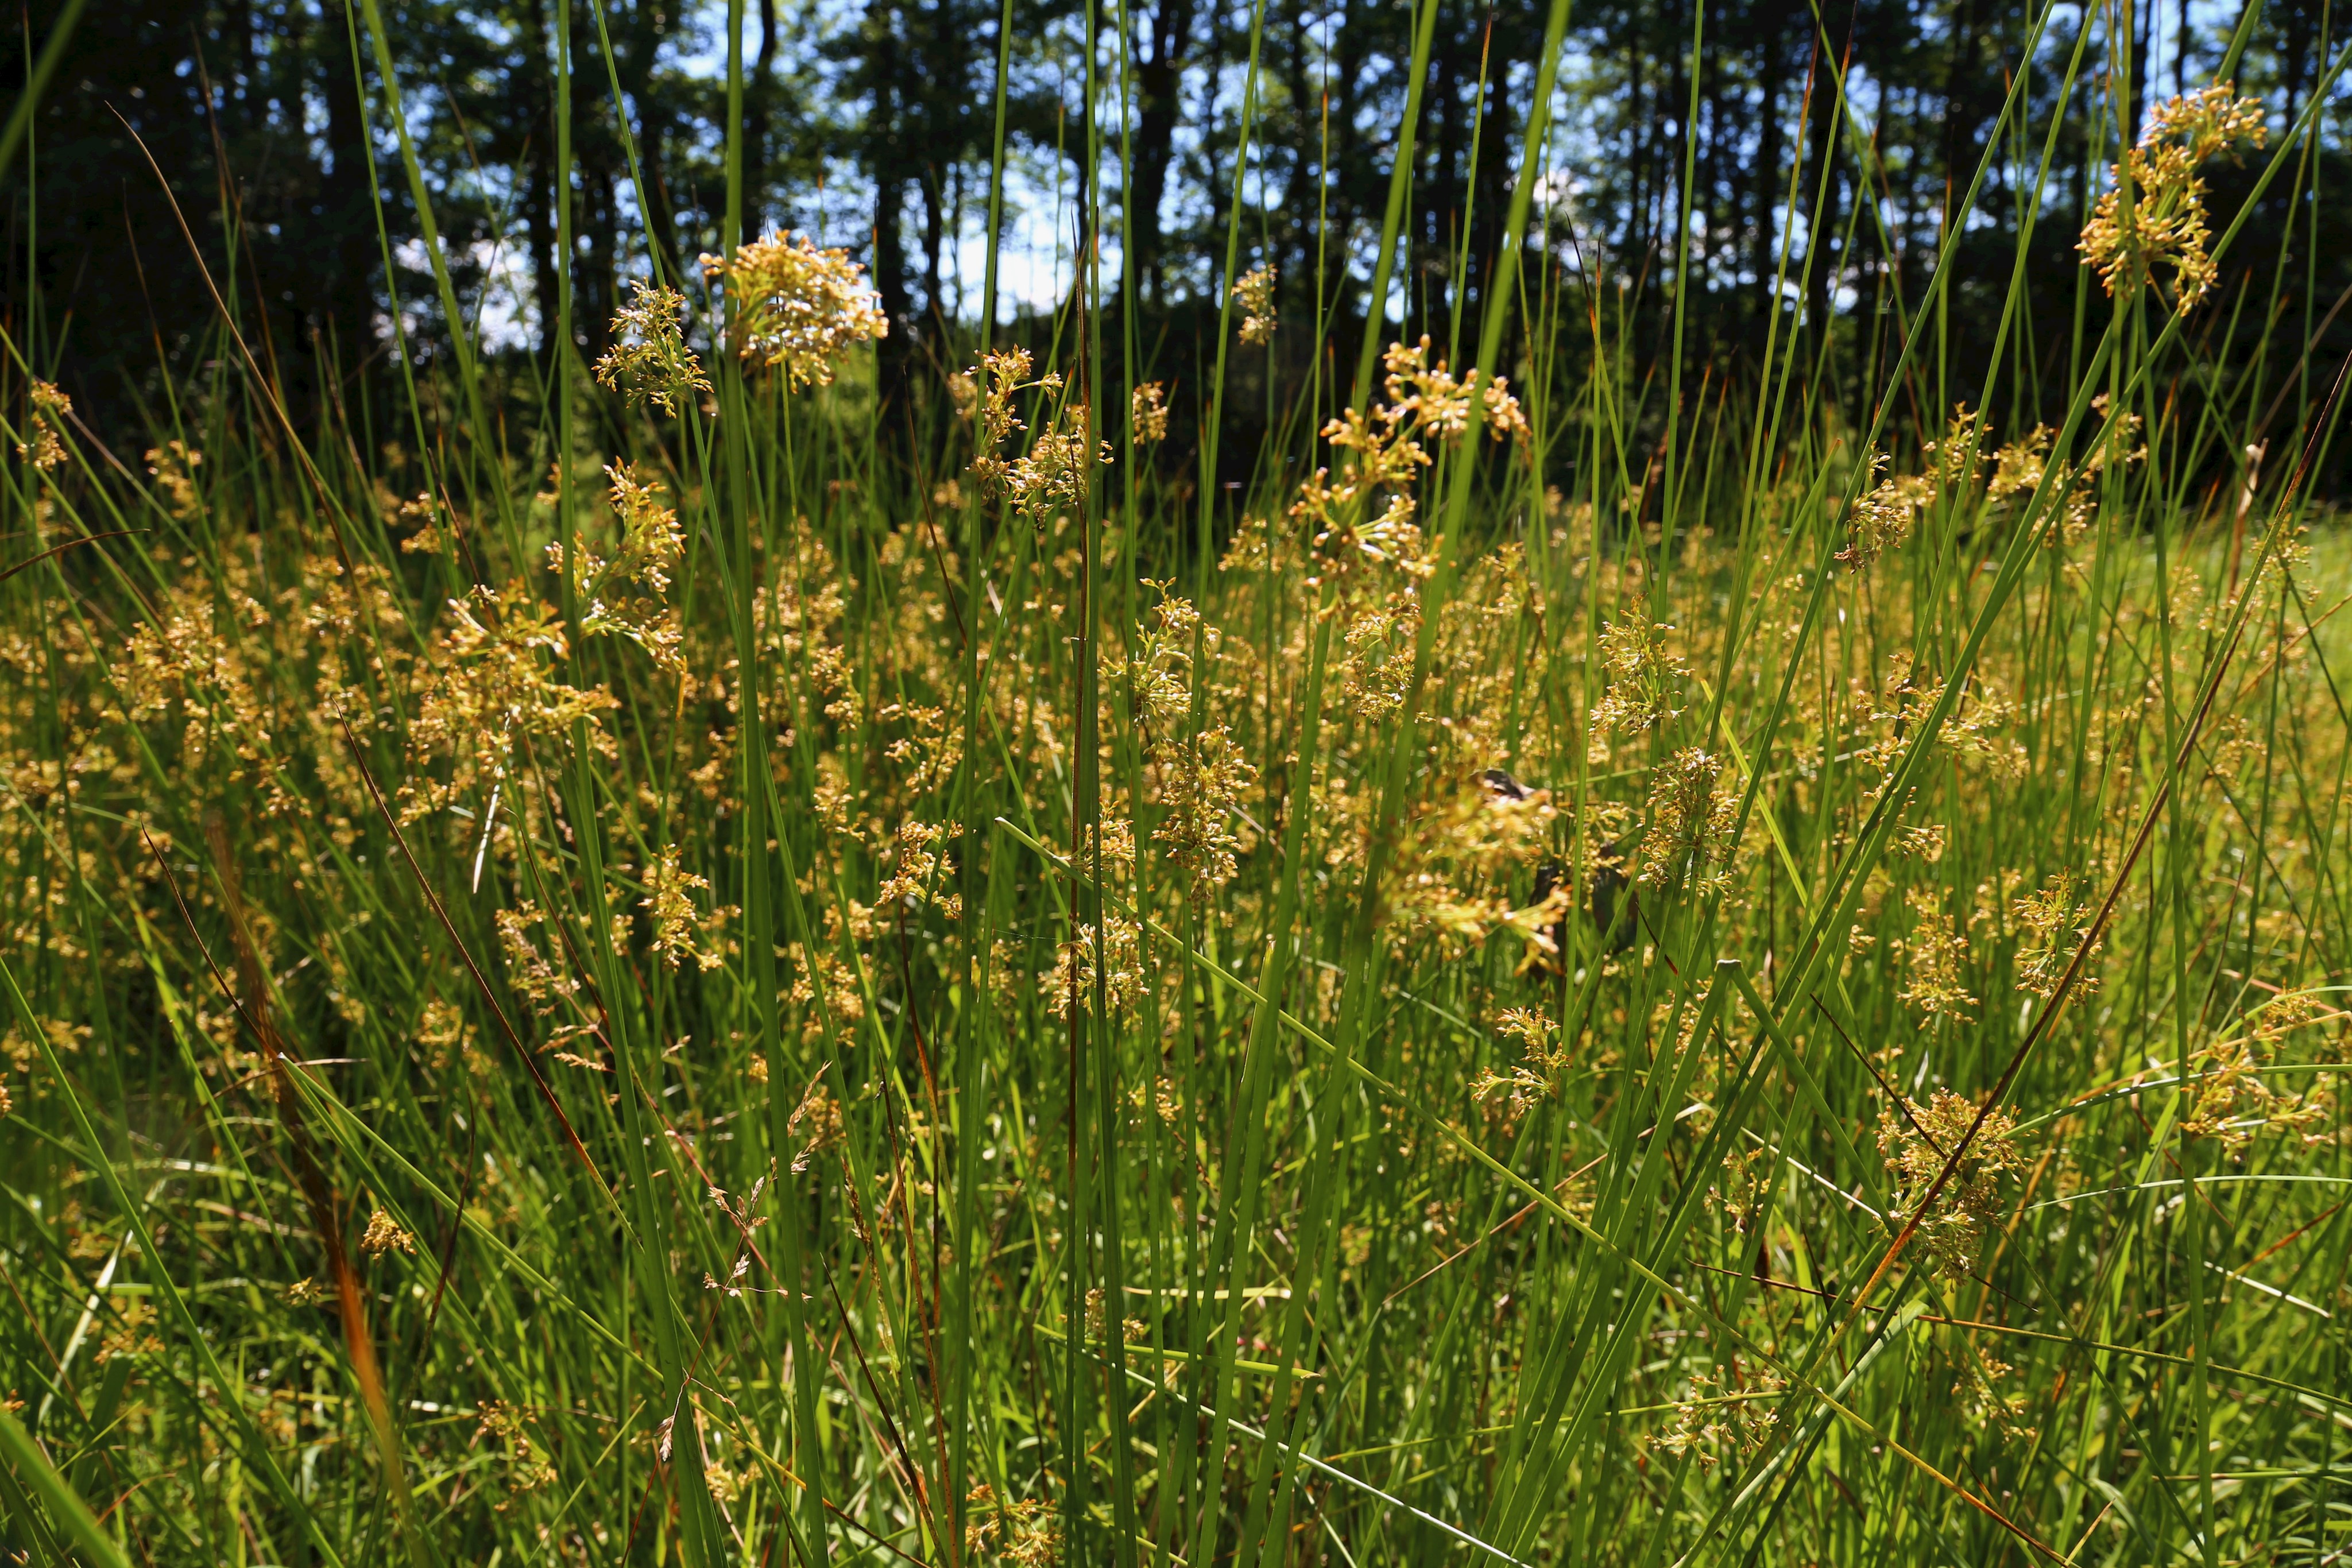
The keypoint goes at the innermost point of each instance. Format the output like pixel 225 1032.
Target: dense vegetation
pixel 731 945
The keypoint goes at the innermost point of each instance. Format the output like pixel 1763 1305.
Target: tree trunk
pixel 758 95
pixel 600 288
pixel 350 220
pixel 539 199
pixel 1157 79
pixel 1822 259
pixel 935 315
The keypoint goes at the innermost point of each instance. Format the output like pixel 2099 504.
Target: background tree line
pixel 872 124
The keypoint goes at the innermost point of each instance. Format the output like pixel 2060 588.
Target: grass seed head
pixel 2233 1101
pixel 1726 1416
pixel 1255 295
pixel 1536 1076
pixel 44 450
pixel 1111 951
pixel 650 363
pixel 817 1120
pixel 795 308
pixel 1024 1532
pixel 1916 1146
pixel 173 466
pixel 1148 414
pixel 384 1234
pixel 669 903
pixel 2017 467
pixel 625 596
pixel 1057 468
pixel 1742 1188
pixel 1202 781
pixel 2164 220
pixel 1882 519
pixel 493 685
pixel 2058 924
pixel 1936 960
pixel 1691 815
pixel 1646 680
pixel 1386 453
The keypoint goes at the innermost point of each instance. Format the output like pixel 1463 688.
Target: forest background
pixel 869 124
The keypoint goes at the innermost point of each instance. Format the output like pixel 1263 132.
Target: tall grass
pixel 1690 996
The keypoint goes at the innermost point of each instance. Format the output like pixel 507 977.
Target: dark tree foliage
pixel 185 149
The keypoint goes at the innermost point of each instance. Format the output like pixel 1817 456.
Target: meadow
pixel 666 959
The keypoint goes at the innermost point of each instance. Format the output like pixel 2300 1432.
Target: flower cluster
pixel 923 873
pixel 1255 295
pixel 2022 466
pixel 1056 470
pixel 1883 517
pixel 623 596
pixel 384 1234
pixel 44 451
pixel 1691 815
pixel 173 466
pixel 1645 681
pixel 1203 780
pixel 1935 959
pixel 1023 1531
pixel 1148 414
pixel 2232 1099
pixel 1160 671
pixel 795 308
pixel 1918 1145
pixel 1053 472
pixel 1378 666
pixel 649 362
pixel 2059 925
pixel 500 1425
pixel 494 687
pixel 1111 951
pixel 669 903
pixel 817 1118
pixel 2152 211
pixel 1389 448
pixel 1712 1422
pixel 1462 857
pixel 1536 1076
